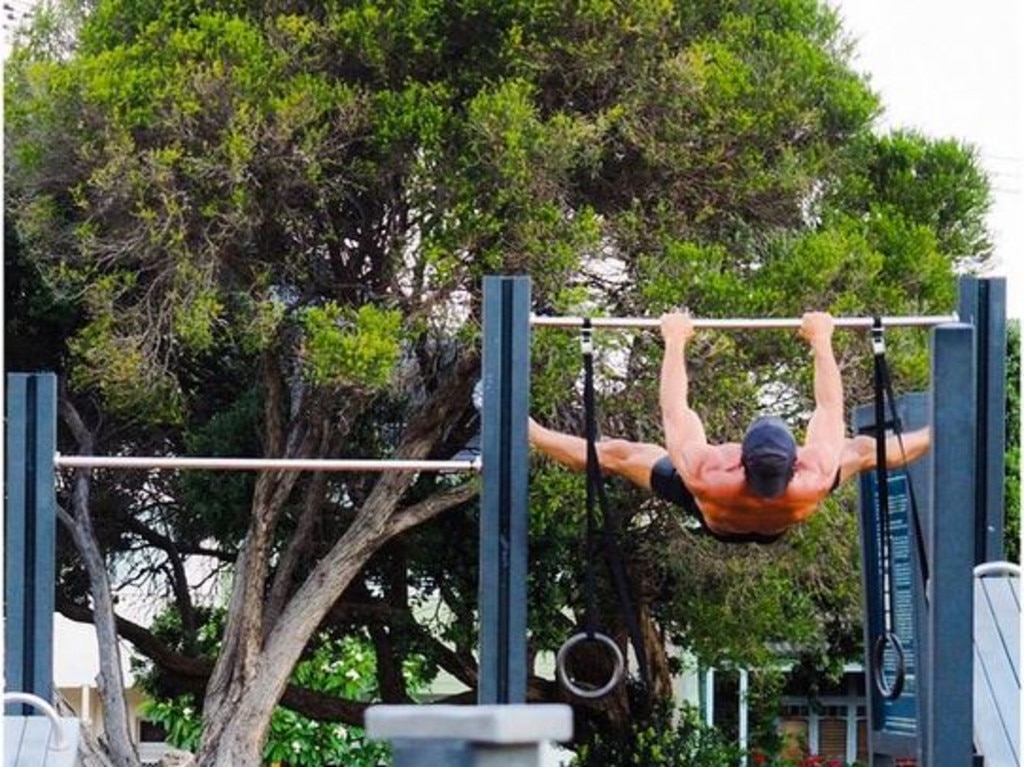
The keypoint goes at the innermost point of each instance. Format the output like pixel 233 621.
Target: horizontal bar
pixel 257 464
pixel 741 323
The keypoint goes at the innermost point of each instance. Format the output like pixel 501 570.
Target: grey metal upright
pixel 983 305
pixel 504 526
pixel 948 713
pixel 29 536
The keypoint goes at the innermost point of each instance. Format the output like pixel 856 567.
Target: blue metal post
pixel 29 535
pixel 503 509
pixel 983 304
pixel 948 710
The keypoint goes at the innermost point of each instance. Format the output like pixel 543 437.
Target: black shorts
pixel 668 485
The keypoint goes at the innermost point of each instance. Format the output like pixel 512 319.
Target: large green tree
pixel 266 224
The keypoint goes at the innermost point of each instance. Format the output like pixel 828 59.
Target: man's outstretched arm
pixel 826 430
pixel 684 430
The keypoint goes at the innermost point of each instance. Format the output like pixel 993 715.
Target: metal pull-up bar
pixel 739 323
pixel 258 464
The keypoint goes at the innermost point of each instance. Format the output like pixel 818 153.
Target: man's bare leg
pixel 860 453
pixel 632 461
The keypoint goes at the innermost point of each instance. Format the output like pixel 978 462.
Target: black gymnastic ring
pixel 570 684
pixel 885 689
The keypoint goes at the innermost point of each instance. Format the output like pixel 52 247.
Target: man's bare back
pixel 729 506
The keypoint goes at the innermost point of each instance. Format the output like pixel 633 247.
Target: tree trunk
pixel 254 668
pixel 110 680
pixel 91 752
pixel 234 731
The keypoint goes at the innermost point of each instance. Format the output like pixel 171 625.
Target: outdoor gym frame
pixel 962 516
pixel 965 465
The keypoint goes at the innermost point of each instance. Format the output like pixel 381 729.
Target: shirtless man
pixel 749 492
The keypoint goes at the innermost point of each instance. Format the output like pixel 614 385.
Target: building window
pixel 794 728
pixel 832 733
pixel 836 728
pixel 727 701
pixel 862 734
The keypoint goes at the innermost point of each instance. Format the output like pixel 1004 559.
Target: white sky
pixel 956 70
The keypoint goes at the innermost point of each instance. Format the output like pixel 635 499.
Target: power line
pixel 1002 157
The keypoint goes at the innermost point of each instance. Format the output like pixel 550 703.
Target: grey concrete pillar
pixel 510 735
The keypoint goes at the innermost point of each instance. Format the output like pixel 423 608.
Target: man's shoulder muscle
pixel 715 469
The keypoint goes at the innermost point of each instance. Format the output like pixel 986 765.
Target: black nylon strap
pixel 882 474
pixel 593 543
pixel 888 638
pixel 883 383
pixel 884 390
pixel 922 553
pixel 596 491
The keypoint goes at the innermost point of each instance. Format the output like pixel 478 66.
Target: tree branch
pixel 431 507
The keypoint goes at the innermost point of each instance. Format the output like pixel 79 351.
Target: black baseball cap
pixel 769 454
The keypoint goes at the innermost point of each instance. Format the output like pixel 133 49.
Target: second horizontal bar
pixel 258 464
pixel 758 323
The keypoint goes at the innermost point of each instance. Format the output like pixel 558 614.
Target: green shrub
pixel 667 739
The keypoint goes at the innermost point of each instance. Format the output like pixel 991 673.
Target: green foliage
pixel 1012 536
pixel 300 742
pixel 218 504
pixel 666 740
pixel 344 667
pixel 813 760
pixel 933 184
pixel 116 363
pixel 263 320
pixel 36 320
pixel 189 112
pixel 351 348
pixel 179 717
pixel 734 605
pixel 647 128
pixel 194 322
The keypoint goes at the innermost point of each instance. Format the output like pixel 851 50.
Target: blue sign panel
pixel 897 716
